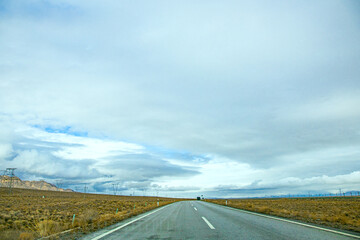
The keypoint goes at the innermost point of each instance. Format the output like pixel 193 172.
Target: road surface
pixel 201 220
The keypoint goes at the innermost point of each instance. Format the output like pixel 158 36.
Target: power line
pixel 2 179
pixel 10 173
pixel 115 187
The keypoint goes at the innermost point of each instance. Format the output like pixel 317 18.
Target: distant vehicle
pixel 198 198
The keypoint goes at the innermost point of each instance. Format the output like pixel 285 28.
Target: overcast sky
pixel 220 98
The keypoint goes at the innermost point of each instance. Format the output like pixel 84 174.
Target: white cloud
pixel 324 183
pixel 5 151
pixel 38 163
pixel 266 88
pixel 339 107
pixel 216 171
pixel 95 161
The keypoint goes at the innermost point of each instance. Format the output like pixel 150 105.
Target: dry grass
pixel 48 227
pixel 338 212
pixel 30 214
pixel 26 236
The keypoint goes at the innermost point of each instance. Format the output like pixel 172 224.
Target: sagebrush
pixel 29 214
pixel 338 212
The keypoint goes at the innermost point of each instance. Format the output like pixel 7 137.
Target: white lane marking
pixel 293 222
pixel 208 223
pixel 120 227
pixel 195 208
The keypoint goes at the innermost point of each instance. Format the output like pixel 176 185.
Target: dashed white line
pixel 195 208
pixel 208 223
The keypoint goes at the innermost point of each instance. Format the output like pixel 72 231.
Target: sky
pixel 181 98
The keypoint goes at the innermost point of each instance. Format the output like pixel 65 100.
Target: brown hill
pixel 38 185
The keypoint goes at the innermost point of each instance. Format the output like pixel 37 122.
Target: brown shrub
pixel 263 209
pixel 26 236
pixel 106 217
pixel 27 211
pixel 87 219
pixel 9 234
pixel 89 216
pixel 18 224
pixel 48 227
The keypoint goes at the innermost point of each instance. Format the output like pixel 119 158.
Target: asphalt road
pixel 201 220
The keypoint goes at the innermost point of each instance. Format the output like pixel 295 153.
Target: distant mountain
pixel 38 185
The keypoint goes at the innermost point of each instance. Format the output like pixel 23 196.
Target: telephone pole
pixel 2 172
pixel 85 188
pixel 11 175
pixel 59 184
pixel 115 187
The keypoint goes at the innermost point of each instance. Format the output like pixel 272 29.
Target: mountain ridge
pixel 37 185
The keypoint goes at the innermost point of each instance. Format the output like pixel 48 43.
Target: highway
pixel 201 220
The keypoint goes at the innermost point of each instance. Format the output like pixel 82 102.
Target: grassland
pixel 31 214
pixel 337 212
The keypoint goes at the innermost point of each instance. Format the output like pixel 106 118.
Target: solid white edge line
pixel 293 222
pixel 122 226
pixel 208 223
pixel 195 208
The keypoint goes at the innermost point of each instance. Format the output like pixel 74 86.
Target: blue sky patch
pixel 66 130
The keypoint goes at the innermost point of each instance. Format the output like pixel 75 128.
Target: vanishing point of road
pixel 202 220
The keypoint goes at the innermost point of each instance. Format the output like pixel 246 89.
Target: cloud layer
pixel 181 95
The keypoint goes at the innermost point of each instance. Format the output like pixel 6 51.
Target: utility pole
pixel 115 187
pixel 2 172
pixel 11 174
pixel 59 184
pixel 85 188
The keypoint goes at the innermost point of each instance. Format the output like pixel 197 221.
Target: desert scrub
pixel 338 212
pixel 26 236
pixel 48 227
pixel 26 212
